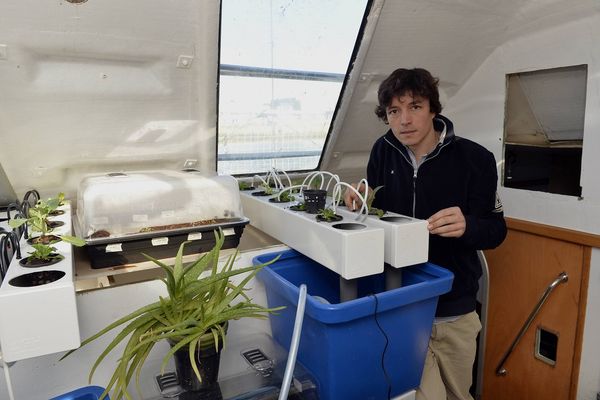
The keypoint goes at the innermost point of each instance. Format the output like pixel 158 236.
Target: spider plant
pixel 195 310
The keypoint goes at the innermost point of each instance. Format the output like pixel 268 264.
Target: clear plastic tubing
pixel 291 361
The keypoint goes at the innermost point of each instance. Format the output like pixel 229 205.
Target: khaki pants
pixel 447 373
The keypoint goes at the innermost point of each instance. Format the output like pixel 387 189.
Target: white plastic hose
pixel 277 171
pixel 260 179
pixel 337 195
pixel 291 361
pixel 313 175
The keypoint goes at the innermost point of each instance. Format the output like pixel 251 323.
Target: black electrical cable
pixel 385 374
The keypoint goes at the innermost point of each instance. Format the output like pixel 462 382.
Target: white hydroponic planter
pixel 38 309
pixel 406 238
pixel 349 248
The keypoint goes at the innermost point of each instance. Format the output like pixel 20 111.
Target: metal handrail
pixel 483 298
pixel 562 277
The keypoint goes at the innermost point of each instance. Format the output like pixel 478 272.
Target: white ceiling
pixel 452 38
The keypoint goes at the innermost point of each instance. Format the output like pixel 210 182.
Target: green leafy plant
pixel 243 185
pixel 195 311
pixel 61 199
pixel 327 214
pixel 298 207
pixel 43 253
pixel 370 198
pixel 266 188
pixel 286 197
pixel 37 220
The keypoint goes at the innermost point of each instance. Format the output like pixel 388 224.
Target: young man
pixel 427 172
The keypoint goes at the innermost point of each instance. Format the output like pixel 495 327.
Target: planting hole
pixel 396 219
pixel 349 226
pixel 36 278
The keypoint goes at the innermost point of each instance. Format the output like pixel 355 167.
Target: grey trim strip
pixel 259 72
pixel 267 156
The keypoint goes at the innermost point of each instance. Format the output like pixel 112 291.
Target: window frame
pixel 290 74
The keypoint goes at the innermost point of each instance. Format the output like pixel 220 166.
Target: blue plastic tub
pixel 343 344
pixel 84 393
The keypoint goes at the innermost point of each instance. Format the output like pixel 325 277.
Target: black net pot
pixel 314 199
pixel 207 358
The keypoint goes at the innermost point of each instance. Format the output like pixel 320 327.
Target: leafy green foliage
pixel 243 185
pixel 192 316
pixel 61 199
pixel 299 207
pixel 376 211
pixel 43 252
pixel 37 220
pixel 286 196
pixel 370 198
pixel 327 214
pixel 74 240
pixel 267 189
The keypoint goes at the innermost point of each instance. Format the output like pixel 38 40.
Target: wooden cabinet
pixel 521 269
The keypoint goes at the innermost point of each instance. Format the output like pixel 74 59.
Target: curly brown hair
pixel 416 81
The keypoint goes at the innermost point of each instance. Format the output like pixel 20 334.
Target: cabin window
pixel 543 130
pixel 283 65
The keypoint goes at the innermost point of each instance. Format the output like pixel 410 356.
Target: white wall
pixel 478 113
pixel 96 87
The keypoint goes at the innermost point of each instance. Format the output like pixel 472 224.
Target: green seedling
pixel 43 253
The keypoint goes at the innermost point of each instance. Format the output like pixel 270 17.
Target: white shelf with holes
pixel 39 311
pixel 348 248
pixel 406 238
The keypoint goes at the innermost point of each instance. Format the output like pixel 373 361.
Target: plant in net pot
pixel 193 318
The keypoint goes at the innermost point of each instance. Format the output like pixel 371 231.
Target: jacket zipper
pixel 414 205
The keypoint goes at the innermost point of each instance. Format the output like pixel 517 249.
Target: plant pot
pixel 29 262
pixel 213 393
pixel 207 358
pixel 314 200
pixel 45 239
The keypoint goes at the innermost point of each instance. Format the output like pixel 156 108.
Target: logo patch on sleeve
pixel 498 204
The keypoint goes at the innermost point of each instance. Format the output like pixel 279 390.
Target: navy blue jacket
pixel 459 172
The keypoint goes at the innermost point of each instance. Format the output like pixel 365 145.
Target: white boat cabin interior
pixel 245 87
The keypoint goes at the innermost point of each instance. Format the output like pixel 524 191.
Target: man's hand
pixel 351 199
pixel 449 222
